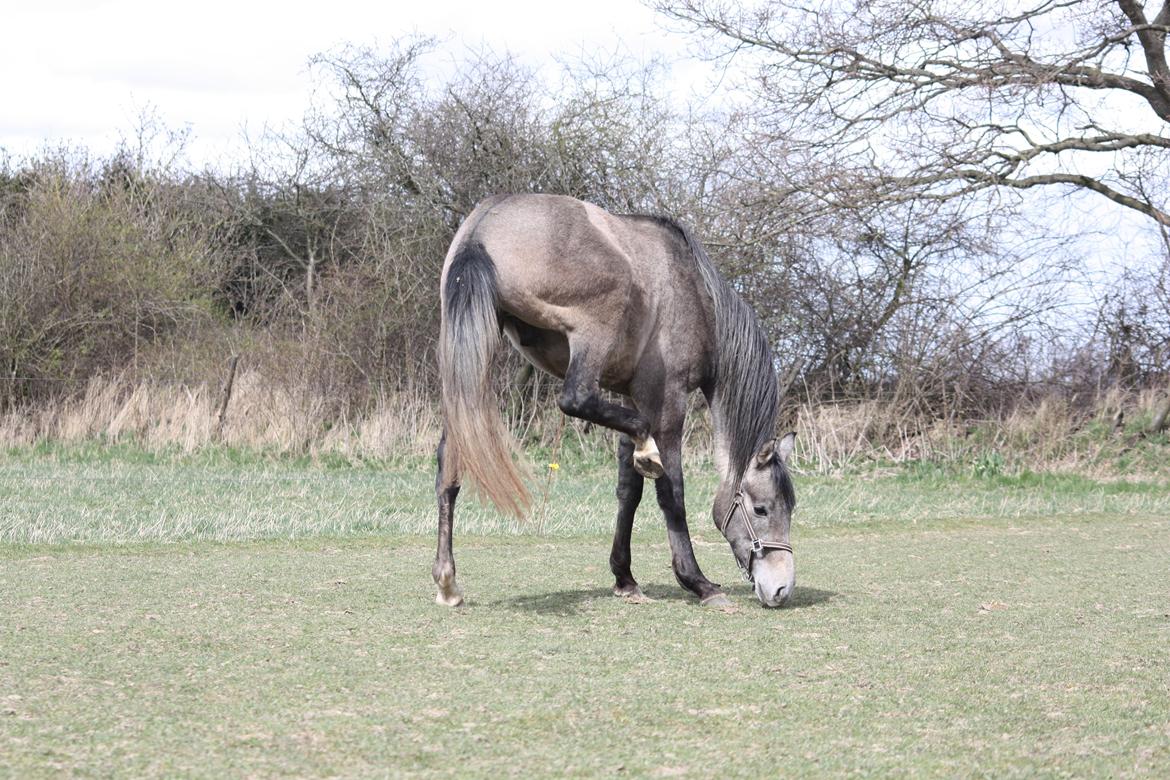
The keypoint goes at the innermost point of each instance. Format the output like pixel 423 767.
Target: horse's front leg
pixel 581 397
pixel 443 571
pixel 671 500
pixel 629 495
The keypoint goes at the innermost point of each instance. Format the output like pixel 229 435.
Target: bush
pixel 96 263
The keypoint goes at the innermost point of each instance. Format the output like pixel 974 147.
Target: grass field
pixel 222 616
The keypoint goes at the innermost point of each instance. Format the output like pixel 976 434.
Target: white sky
pixel 82 72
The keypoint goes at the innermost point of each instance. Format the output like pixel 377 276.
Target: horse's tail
pixel 478 444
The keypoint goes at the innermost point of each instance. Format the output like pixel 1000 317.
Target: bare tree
pixel 942 98
pixel 344 222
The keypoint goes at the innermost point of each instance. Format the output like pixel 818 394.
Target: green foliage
pixel 988 464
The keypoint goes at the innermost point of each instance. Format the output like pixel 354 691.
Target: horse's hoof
pixel 649 466
pixel 449 594
pixel 647 461
pixel 632 594
pixel 717 600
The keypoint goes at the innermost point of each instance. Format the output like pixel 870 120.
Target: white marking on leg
pixel 450 594
pixel 647 459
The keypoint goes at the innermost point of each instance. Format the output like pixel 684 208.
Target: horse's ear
pixel 779 449
pixel 785 446
pixel 766 453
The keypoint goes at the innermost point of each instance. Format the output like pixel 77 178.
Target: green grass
pixel 218 617
pixel 119 494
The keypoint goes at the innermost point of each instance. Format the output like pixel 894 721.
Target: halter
pixel 758 544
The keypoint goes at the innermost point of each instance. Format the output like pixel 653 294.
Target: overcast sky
pixel 82 72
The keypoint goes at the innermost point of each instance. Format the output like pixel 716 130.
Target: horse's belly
pixel 548 350
pixel 545 349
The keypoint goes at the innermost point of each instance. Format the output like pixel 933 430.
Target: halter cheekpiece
pixel 758 545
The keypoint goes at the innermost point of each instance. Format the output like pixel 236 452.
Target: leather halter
pixel 758 545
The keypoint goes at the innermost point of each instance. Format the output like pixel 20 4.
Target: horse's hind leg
pixel 449 593
pixel 629 494
pixel 581 397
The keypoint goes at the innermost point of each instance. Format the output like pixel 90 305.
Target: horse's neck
pixel 721 453
pixel 721 446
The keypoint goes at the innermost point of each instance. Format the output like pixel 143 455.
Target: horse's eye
pixel 762 511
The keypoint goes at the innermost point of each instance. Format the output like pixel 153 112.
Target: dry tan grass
pixel 1050 435
pixel 837 436
pixel 273 417
pixel 261 416
pixel 400 424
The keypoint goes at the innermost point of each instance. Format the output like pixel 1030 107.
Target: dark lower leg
pixel 629 494
pixel 671 500
pixel 443 570
pixel 586 403
pixel 582 398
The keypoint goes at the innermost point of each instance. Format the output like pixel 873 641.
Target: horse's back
pixel 565 252
pixel 570 267
pixel 555 250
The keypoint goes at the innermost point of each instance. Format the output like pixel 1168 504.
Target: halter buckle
pixel 757 546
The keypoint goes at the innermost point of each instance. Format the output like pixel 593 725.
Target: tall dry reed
pixel 276 418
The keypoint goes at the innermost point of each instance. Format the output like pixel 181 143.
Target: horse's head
pixel 756 518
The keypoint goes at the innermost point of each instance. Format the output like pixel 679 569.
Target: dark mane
pixel 783 481
pixel 746 397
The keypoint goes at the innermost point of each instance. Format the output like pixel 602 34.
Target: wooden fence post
pixel 225 395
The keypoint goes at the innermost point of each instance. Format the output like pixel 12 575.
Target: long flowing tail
pixel 478 444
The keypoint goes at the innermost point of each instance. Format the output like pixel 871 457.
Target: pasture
pixel 219 615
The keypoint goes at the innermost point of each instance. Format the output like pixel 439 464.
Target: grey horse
pixel 631 304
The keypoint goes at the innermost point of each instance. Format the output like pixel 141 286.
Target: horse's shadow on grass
pixel 571 602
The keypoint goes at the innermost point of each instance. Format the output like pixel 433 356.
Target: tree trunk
pixel 310 279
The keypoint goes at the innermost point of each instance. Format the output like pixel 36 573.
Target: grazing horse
pixel 631 304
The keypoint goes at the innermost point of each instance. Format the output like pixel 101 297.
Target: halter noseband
pixel 758 545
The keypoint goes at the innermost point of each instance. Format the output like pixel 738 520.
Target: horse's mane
pixel 746 395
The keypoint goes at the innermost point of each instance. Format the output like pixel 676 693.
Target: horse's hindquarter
pixel 570 270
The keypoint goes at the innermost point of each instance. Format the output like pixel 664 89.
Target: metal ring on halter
pixel 758 545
